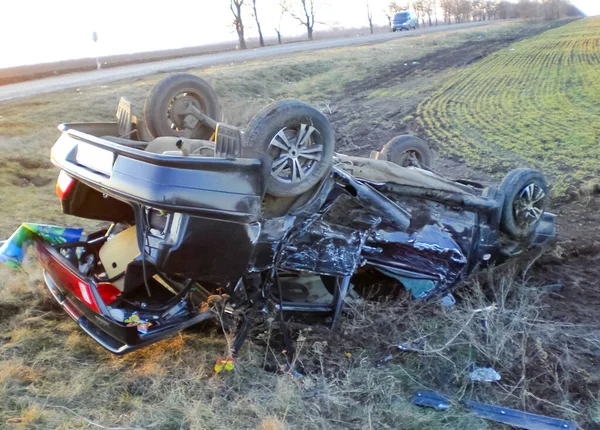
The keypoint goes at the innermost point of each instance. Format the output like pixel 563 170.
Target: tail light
pixel 108 292
pixel 68 279
pixel 64 185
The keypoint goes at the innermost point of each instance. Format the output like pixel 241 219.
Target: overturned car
pixel 208 221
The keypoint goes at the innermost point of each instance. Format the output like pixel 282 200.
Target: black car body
pixel 206 228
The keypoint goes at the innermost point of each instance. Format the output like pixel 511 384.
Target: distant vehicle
pixel 405 20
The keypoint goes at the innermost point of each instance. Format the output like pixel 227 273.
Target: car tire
pixel 296 167
pixel 169 95
pixel 399 149
pixel 525 199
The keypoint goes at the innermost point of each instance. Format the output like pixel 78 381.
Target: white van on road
pixel 405 20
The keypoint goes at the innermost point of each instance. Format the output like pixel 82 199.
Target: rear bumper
pixel 82 316
pixel 116 337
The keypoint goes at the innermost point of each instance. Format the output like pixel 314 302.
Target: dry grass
pixel 54 376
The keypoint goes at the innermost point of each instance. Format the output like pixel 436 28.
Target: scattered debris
pixel 511 417
pixel 224 364
pixel 409 347
pixel 385 360
pixel 135 321
pixel 448 300
pixel 484 374
pixel 431 400
pixel 552 288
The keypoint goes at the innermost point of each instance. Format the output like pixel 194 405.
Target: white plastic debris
pixel 448 300
pixel 484 374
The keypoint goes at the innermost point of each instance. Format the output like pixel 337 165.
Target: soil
pixel 572 269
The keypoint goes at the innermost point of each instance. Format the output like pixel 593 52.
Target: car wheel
pixel 163 110
pixel 298 139
pixel 526 197
pixel 402 150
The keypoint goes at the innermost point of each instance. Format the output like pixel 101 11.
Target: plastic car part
pixel 228 141
pixel 167 108
pixel 117 252
pixel 126 123
pixel 181 146
pixel 401 149
pixel 526 197
pixel 299 141
pixel 511 417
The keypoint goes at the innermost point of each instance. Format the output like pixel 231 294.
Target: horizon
pixel 143 26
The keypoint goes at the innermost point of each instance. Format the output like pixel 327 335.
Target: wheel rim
pixel 529 205
pixel 296 152
pixel 177 105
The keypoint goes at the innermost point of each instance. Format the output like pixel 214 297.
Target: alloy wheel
pixel 528 206
pixel 296 152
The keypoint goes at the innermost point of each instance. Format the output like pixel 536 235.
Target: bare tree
pixel 305 16
pixel 504 10
pixel 419 6
pixel 552 9
pixel 491 8
pixel 278 28
pixel 260 36
pixel 236 9
pixel 446 6
pixel 388 15
pixel 395 7
pixel 465 10
pixel 429 9
pixel 370 17
pixel 461 10
pixel 478 10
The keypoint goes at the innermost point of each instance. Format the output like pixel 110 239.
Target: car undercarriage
pixel 205 221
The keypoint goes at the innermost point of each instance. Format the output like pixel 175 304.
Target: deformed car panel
pixel 429 251
pixel 322 248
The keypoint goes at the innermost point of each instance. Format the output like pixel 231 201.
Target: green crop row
pixel 535 103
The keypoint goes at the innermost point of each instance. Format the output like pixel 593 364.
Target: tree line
pixel 458 11
pixel 302 11
pixel 428 12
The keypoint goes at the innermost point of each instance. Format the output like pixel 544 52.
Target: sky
pixel 39 31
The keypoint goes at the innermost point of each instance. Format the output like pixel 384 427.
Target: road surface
pixel 31 88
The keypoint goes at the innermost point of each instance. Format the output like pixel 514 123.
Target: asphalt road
pixel 30 88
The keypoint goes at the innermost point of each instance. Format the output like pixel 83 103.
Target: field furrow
pixel 536 102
